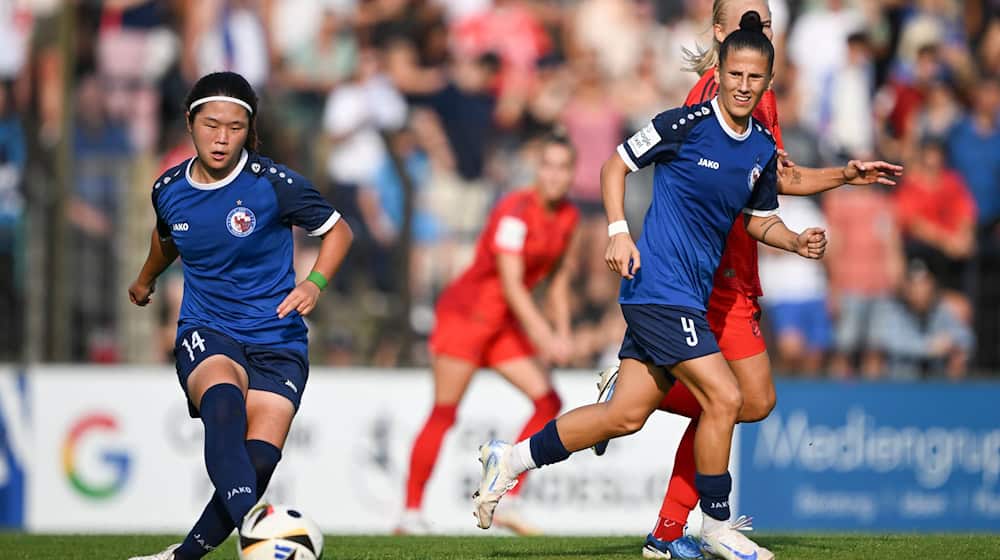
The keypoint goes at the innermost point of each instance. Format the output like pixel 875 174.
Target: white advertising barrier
pixel 115 451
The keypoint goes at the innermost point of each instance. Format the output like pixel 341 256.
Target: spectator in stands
pixel 937 217
pixel 795 294
pixel 13 155
pixel 917 332
pixel 465 110
pixel 309 71
pixel 847 102
pixel 903 97
pixel 101 151
pixel 973 146
pixel 865 262
pixel 356 113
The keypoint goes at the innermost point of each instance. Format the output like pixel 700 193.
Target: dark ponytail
pixel 750 35
pixel 229 84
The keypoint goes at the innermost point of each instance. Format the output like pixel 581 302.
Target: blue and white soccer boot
pixel 605 388
pixel 686 548
pixel 729 542
pixel 497 480
pixel 167 554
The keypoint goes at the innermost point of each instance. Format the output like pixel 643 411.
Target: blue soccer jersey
pixel 705 174
pixel 234 237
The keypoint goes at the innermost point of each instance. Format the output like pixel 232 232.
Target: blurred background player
pixel 733 310
pixel 241 349
pixel 487 317
pixel 705 156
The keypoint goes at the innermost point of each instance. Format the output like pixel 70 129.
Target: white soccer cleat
pixel 729 543
pixel 412 522
pixel 497 480
pixel 605 388
pixel 166 554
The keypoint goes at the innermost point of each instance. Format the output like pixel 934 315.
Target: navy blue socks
pixel 546 447
pixel 215 524
pixel 714 491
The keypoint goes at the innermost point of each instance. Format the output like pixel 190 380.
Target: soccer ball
pixel 279 533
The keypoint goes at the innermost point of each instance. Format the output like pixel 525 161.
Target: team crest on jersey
pixel 241 221
pixel 754 175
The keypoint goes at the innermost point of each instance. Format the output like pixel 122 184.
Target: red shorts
pixel 478 343
pixel 734 318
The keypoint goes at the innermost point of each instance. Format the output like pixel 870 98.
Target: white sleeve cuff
pixel 327 225
pixel 760 213
pixel 627 158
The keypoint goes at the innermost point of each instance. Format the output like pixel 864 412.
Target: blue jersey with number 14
pixel 235 240
pixel 705 174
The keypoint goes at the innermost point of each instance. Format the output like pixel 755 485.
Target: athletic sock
pixel 714 491
pixel 546 446
pixel 546 408
pixel 682 496
pixel 223 412
pixel 425 452
pixel 214 526
pixel 680 400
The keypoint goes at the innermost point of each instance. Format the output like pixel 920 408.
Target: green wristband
pixel 318 279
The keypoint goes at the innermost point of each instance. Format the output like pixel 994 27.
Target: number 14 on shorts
pixel 193 342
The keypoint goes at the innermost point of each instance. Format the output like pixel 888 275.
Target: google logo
pixel 117 459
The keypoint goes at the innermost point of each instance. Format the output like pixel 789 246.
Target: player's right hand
pixel 622 255
pixel 139 293
pixel 812 243
pixel 560 350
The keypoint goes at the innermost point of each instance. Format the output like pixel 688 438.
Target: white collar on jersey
pixel 725 126
pixel 221 182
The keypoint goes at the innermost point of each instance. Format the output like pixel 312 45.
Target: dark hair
pixel 750 35
pixel 558 138
pixel 229 84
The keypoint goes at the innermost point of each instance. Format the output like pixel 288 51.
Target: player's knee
pixel 725 403
pixel 548 406
pixel 628 422
pixel 757 409
pixel 222 404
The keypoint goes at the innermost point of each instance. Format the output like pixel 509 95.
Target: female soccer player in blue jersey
pixel 241 341
pixel 712 161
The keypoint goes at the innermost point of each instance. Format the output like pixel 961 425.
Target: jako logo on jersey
pixel 754 175
pixel 708 163
pixel 183 226
pixel 241 221
pixel 89 436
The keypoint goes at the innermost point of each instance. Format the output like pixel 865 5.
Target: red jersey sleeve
pixel 511 229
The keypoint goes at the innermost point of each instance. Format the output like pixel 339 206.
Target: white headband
pixel 204 100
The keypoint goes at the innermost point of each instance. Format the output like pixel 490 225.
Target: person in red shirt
pixel 937 215
pixel 487 317
pixel 733 311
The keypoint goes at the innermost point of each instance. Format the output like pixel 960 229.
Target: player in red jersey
pixel 487 317
pixel 733 311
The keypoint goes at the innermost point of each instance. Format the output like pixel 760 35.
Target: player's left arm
pixel 300 204
pixel 770 230
pixel 805 181
pixel 558 294
pixel 763 224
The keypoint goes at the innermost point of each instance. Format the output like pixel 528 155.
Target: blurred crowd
pixel 414 116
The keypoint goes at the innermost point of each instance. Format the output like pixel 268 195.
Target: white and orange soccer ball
pixel 279 533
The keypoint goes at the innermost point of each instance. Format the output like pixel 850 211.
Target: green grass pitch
pixel 15 546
